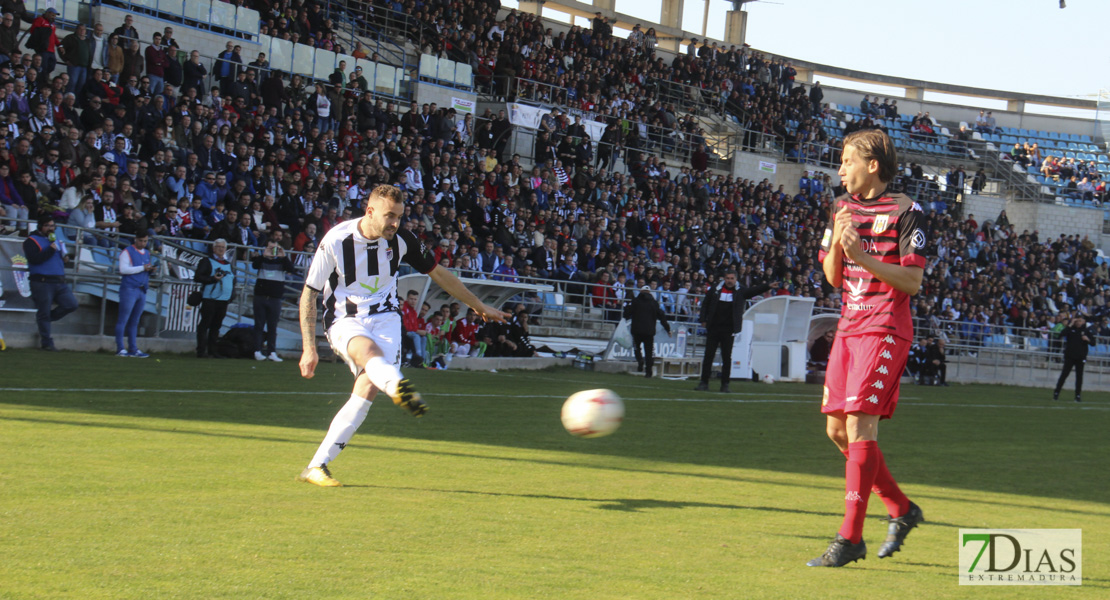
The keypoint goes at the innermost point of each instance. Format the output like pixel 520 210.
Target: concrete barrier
pixel 470 363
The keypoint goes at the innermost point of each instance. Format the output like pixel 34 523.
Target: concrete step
pixel 569 332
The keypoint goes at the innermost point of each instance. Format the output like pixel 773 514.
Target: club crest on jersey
pixel 389 254
pixel 881 223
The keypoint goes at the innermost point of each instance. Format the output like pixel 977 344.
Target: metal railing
pixel 376 20
pixel 96 264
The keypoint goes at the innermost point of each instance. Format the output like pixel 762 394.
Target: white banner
pixel 15 282
pixel 181 317
pixel 462 106
pixel 667 345
pixel 767 167
pixel 529 116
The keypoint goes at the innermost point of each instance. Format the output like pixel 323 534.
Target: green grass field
pixel 173 478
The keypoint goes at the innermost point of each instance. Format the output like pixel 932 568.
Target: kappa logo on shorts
pixel 877 385
pixel 873 399
pixel 885 355
pixel 853 496
pixel 882 370
pixel 889 339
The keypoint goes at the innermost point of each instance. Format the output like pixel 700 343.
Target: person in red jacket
pixel 47 44
pixel 464 335
pixel 413 327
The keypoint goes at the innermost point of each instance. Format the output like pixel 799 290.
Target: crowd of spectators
pixel 286 161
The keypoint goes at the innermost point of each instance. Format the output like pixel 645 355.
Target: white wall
pixel 1049 220
pixel 427 93
pixel 188 38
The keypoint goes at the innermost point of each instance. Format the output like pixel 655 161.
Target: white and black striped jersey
pixel 358 276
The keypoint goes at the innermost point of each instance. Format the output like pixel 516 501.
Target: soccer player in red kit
pixel 873 249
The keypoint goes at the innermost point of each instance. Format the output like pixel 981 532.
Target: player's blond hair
pixel 385 192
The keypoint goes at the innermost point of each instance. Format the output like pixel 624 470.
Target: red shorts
pixel 864 374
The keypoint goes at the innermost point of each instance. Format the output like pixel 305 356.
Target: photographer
pixel 214 273
pixel 1077 340
pixel 272 265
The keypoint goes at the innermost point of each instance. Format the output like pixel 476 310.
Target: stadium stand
pixel 298 153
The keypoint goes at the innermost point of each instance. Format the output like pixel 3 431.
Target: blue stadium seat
pixel 1085 138
pixel 1053 135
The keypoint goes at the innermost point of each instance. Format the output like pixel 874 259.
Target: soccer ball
pixel 768 378
pixel 593 413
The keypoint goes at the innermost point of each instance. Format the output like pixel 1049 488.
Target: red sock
pixel 859 476
pixel 897 504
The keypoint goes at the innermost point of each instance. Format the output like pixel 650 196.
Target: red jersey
pixel 465 332
pixel 410 319
pixel 891 228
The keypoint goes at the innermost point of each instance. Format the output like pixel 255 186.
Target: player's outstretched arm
pixel 451 284
pixel 309 357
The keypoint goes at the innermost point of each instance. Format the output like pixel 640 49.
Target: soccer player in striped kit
pixel 355 268
pixel 873 249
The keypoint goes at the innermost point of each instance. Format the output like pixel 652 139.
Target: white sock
pixel 343 428
pixel 383 374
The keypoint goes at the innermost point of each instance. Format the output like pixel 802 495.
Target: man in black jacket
pixel 722 316
pixel 935 370
pixel 644 312
pixel 1077 340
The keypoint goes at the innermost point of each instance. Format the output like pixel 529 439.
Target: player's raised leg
pixel 379 359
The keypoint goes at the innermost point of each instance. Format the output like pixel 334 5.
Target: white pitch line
pixel 763 398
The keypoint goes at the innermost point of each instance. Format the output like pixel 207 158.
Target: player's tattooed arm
pixel 309 357
pixel 308 316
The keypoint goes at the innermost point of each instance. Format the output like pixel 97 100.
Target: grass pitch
pixel 173 478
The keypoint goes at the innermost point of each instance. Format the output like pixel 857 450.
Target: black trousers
pixel 645 357
pixel 267 311
pixel 937 373
pixel 212 313
pixel 1069 362
pixel 713 341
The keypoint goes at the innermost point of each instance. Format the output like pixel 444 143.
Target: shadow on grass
pixel 951 447
pixel 632 505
